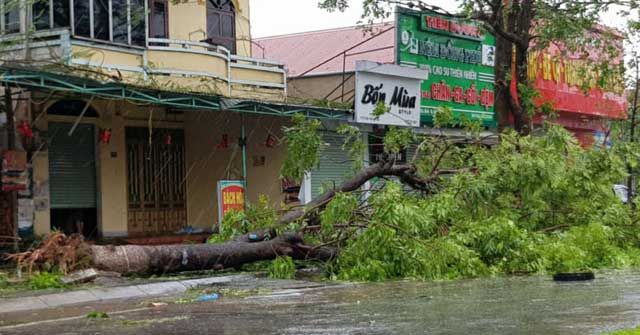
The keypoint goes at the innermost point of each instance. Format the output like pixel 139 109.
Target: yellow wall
pixel 112 171
pixel 243 28
pixel 40 163
pixel 206 164
pixel 188 21
pixel 319 87
pixel 106 57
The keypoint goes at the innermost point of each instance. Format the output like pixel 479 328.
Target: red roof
pixel 321 52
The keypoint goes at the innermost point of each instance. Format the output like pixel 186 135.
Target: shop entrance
pixel 72 178
pixel 156 181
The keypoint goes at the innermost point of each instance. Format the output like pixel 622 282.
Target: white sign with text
pixel 396 86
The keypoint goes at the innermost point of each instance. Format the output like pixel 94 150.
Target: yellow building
pixel 138 108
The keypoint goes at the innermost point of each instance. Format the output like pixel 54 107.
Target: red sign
pixel 577 86
pixel 454 27
pixel 230 197
pixel 14 174
pixel 443 92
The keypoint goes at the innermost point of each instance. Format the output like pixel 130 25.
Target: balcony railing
pixel 187 63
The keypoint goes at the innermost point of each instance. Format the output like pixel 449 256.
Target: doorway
pixel 72 178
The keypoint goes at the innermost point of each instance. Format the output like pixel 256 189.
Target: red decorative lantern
pixel 25 129
pixel 168 140
pixel 105 136
pixel 271 141
pixel 224 143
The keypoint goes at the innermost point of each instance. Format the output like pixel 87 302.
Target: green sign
pixel 460 58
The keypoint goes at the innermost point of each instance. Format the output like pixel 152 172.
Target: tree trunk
pixel 524 18
pixel 133 259
pixel 515 19
pixel 406 173
pixel 503 106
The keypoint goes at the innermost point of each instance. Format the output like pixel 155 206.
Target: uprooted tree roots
pixel 65 253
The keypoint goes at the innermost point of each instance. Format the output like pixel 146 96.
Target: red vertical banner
pixel 514 78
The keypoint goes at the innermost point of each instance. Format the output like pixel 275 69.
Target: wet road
pixel 531 305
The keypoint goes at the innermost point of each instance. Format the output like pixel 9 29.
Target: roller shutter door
pixel 335 165
pixel 72 167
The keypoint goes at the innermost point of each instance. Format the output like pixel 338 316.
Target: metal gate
pixel 156 181
pixel 335 165
pixel 72 166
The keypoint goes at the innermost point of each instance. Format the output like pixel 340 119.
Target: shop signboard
pixel 397 87
pixel 231 196
pixel 14 171
pixel 460 59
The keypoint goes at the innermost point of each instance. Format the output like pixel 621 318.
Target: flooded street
pixel 521 305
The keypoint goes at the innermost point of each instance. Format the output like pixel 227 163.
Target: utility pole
pixel 632 132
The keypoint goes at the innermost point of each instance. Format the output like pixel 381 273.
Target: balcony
pixel 175 65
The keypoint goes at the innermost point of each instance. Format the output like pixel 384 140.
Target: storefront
pixel 584 98
pixel 120 166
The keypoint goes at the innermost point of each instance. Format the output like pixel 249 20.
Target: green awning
pixel 47 81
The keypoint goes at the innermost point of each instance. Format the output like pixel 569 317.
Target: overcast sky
pixel 277 17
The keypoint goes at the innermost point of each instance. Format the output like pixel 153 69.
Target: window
pixel 61 14
pixel 43 14
pixel 40 14
pixel 138 30
pixel 158 19
pixel 221 20
pixel 81 18
pixel 11 12
pixel 119 21
pixel 101 20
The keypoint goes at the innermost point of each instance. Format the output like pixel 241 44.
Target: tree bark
pixel 133 259
pixel 514 19
pixel 523 20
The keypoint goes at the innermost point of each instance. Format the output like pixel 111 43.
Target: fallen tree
pixel 69 253
pixel 132 259
pixel 248 248
pixel 531 204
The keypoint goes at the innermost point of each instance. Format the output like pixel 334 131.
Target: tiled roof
pixel 324 49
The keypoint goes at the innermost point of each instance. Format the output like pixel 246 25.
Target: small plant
pixel 282 268
pixel 635 331
pixel 97 315
pixel 255 216
pixel 45 280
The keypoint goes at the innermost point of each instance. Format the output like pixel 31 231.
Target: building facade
pixel 321 65
pixel 132 111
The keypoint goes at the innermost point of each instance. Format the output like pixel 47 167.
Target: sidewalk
pixel 103 294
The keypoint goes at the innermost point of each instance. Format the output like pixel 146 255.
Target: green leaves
pixel 304 145
pixel 353 144
pixel 282 268
pixel 535 204
pixel 340 211
pixel 398 139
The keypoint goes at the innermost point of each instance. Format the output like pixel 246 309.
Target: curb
pixel 104 294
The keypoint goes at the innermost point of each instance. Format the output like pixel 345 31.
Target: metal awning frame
pixel 46 81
